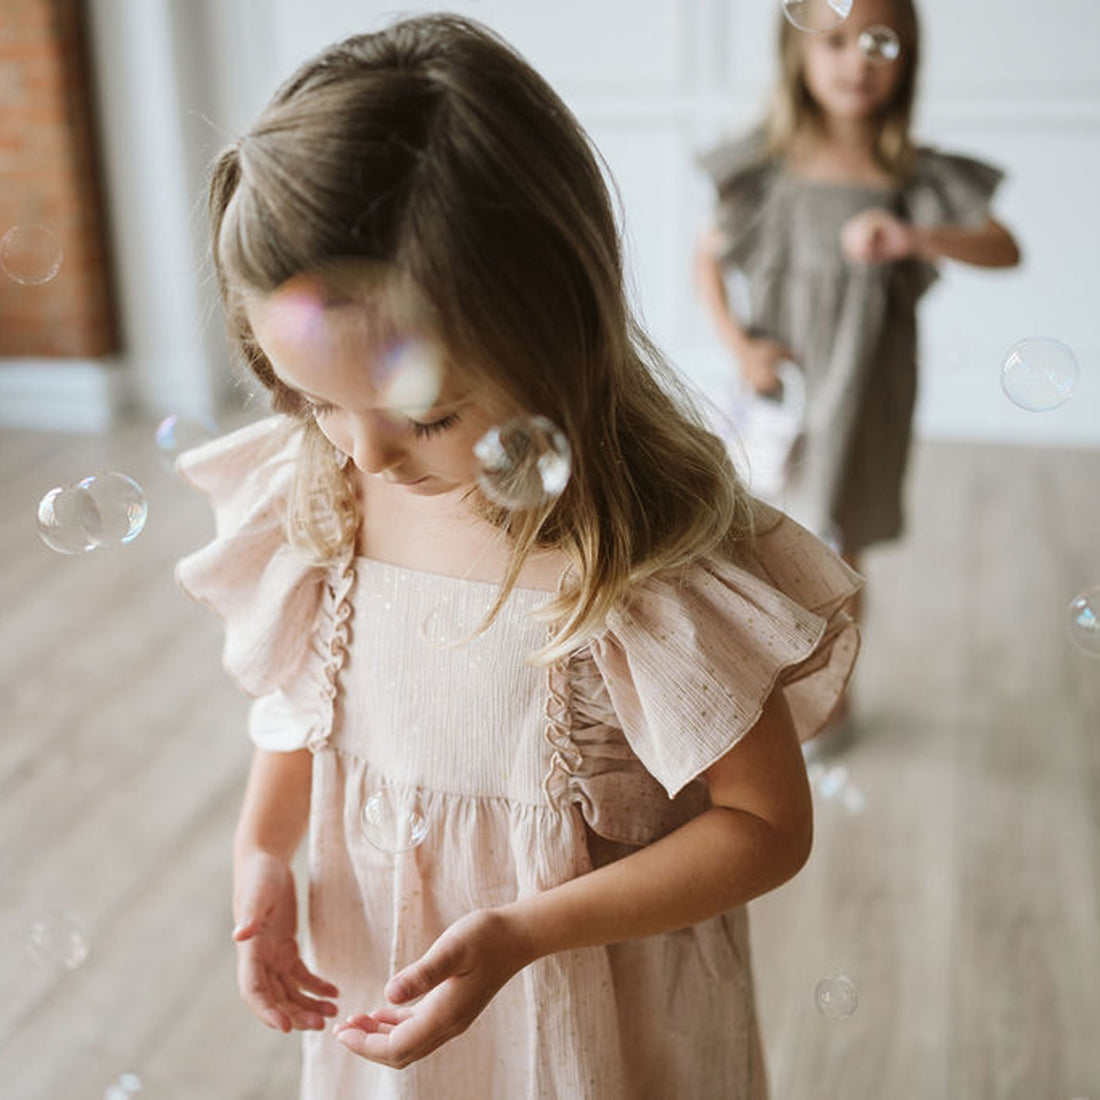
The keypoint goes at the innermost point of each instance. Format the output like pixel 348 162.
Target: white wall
pixel 654 81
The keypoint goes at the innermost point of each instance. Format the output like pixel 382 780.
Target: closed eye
pixel 320 408
pixel 424 431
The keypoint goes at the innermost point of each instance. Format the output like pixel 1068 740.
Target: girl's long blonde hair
pixel 435 150
pixel 792 109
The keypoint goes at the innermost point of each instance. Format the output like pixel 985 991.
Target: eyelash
pixel 420 430
pixel 423 431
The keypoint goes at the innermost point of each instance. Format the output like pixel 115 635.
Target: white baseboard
pixel 73 395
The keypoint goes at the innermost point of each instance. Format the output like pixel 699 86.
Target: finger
pixel 257 994
pixel 438 963
pixel 313 982
pixel 303 1017
pixel 246 929
pixel 414 1038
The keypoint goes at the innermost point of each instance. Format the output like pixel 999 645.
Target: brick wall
pixel 50 198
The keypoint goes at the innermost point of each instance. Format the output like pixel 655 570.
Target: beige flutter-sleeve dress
pixel 524 777
pixel 852 327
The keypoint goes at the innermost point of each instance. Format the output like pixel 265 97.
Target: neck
pixel 851 134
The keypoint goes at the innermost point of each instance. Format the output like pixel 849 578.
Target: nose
pixel 374 447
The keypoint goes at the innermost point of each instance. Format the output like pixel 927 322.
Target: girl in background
pixel 837 222
pixel 592 786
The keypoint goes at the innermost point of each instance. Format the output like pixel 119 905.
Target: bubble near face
pixel 176 434
pixel 103 510
pixel 526 463
pixel 880 44
pixel 57 940
pixel 836 997
pixel 30 254
pixel 1039 374
pixel 409 376
pixel 816 16
pixel 1084 621
pixel 392 819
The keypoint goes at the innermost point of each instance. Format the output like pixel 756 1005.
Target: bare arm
pixel 990 245
pixel 712 289
pixel 758 357
pixel 276 804
pixel 757 835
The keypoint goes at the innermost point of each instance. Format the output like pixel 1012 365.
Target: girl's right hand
pixel 759 358
pixel 273 980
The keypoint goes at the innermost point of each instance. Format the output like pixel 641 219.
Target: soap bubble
pixel 524 464
pixel 1084 621
pixel 126 1085
pixel 176 434
pixel 834 784
pixel 836 997
pixel 880 44
pixel 1039 373
pixel 103 510
pixel 392 819
pixel 68 520
pixel 58 940
pixel 30 254
pixel 409 376
pixel 816 16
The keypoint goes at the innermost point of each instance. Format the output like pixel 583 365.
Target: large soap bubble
pixel 103 510
pixel 816 16
pixel 523 464
pixel 1039 373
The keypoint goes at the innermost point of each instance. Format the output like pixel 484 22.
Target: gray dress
pixel 851 326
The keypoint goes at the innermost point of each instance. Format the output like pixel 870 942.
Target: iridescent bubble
pixel 836 997
pixel 1084 621
pixel 121 504
pixel 68 520
pixel 30 254
pixel 524 464
pixel 103 510
pixel 816 16
pixel 176 434
pixel 409 376
pixel 57 940
pixel 1039 373
pixel 392 819
pixel 880 44
pixel 834 784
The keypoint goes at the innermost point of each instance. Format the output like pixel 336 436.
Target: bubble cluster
pixel 1039 373
pixel 1084 621
pixel 126 1085
pixel 102 510
pixel 30 254
pixel 392 819
pixel 176 434
pixel 523 464
pixel 880 44
pixel 836 997
pixel 816 16
pixel 57 940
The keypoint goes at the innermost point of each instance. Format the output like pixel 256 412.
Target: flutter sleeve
pixel 948 189
pixel 690 661
pixel 741 172
pixel 270 597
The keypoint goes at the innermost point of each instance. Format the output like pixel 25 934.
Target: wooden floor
pixel 963 900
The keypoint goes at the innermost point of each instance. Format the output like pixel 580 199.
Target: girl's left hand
pixel 876 236
pixel 457 977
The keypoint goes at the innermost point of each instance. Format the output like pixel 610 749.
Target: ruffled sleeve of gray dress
pixel 742 172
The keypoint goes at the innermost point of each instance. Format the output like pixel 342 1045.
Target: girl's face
pixel 842 80
pixel 398 412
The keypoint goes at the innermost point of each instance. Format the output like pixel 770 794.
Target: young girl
pixel 836 221
pixel 605 774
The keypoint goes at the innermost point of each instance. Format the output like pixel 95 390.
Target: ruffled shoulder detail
pixel 949 189
pixel 266 592
pixel 690 660
pixel 742 172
